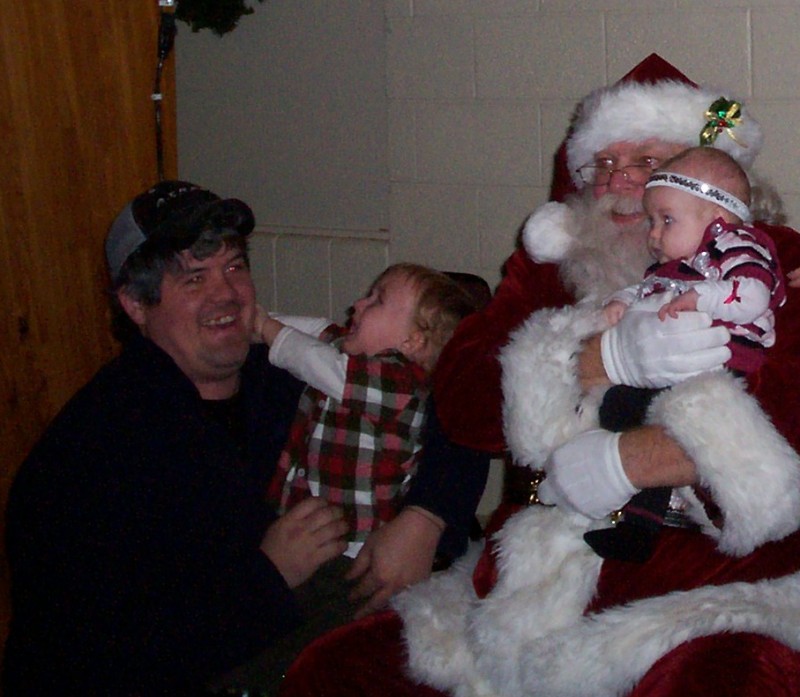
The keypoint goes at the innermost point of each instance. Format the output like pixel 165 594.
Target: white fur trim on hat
pixel 671 111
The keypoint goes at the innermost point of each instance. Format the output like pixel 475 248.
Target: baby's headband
pixel 701 189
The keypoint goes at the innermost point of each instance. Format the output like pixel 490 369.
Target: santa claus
pixel 714 606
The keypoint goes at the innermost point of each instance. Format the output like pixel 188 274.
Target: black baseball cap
pixel 172 213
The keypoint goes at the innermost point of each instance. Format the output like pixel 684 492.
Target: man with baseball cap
pixel 144 559
pixel 540 613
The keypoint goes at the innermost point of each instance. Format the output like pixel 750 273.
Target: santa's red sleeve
pixel 467 384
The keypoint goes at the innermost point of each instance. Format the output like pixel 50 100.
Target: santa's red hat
pixel 655 100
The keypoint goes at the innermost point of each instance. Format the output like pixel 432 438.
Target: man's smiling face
pixel 204 319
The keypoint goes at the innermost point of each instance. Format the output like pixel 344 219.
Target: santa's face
pixel 623 169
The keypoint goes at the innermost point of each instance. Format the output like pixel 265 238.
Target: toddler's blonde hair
pixel 441 304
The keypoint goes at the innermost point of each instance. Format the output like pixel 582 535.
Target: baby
pixel 708 258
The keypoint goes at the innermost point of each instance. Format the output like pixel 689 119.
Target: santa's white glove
pixel 643 351
pixel 585 475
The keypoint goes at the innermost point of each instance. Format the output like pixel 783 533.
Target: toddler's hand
pixel 258 325
pixel 794 278
pixel 265 328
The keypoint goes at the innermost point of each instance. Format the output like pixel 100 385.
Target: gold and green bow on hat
pixel 722 115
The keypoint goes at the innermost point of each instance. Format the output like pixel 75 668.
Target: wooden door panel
pixel 77 139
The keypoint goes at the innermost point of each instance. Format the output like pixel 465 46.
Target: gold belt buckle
pixel 522 485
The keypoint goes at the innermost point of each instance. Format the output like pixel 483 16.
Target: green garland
pixel 221 16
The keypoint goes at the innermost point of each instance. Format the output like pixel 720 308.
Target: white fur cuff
pixel 751 470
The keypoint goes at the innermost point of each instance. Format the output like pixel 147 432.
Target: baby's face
pixel 677 222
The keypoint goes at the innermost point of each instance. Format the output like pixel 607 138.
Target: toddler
pixel 358 429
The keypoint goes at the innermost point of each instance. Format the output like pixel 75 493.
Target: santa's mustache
pixel 619 204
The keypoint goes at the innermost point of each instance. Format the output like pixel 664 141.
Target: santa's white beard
pixel 605 257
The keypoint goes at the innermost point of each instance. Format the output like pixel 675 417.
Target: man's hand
pixel 585 475
pixel 394 557
pixel 643 351
pixel 598 471
pixel 304 538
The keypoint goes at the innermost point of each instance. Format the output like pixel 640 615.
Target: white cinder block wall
pixel 364 133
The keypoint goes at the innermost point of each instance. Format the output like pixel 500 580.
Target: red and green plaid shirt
pixel 359 453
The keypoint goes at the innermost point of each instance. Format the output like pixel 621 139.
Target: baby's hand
pixel 613 311
pixel 686 302
pixel 794 278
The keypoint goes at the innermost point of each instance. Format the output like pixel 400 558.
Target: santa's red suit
pixel 713 611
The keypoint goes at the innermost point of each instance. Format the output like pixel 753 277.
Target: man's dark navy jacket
pixel 133 533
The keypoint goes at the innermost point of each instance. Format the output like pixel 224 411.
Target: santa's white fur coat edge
pixel 524 637
pixel 538 368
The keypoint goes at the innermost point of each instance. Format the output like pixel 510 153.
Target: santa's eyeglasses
pixel 600 175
